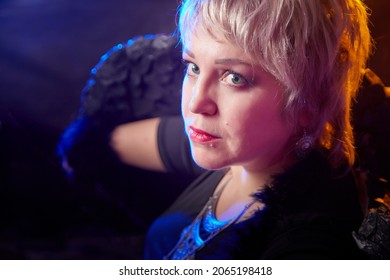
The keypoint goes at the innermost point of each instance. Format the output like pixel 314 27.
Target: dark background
pixel 47 49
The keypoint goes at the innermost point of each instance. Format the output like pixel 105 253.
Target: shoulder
pixel 312 214
pixel 196 195
pixel 313 186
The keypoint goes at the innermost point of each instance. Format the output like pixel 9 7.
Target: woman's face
pixel 232 109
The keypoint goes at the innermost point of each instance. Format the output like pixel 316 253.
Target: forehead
pixel 205 42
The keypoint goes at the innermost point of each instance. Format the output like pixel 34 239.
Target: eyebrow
pixel 231 61
pixel 223 61
pixel 188 52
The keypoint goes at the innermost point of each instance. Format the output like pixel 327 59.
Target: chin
pixel 210 158
pixel 206 162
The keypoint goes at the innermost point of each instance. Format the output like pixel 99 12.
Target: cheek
pixel 265 126
pixel 185 98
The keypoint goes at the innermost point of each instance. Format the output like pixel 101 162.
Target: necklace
pixel 204 227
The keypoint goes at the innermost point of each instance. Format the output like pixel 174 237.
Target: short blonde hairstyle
pixel 317 50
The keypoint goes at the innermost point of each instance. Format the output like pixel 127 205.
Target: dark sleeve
pixel 314 242
pixel 174 147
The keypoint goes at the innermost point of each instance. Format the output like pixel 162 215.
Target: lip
pixel 200 136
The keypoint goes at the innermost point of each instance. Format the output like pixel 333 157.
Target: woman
pixel 265 103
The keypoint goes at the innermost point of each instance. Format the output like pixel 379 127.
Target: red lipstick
pixel 201 136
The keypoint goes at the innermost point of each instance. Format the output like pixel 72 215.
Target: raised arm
pixel 136 144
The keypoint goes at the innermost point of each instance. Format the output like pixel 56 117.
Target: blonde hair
pixel 317 50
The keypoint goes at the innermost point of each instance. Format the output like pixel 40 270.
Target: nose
pixel 202 100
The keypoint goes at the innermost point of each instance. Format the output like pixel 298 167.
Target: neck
pixel 240 185
pixel 252 177
pixel 247 182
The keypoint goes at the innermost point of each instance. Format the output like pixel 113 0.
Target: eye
pixel 234 79
pixel 191 68
pixel 194 68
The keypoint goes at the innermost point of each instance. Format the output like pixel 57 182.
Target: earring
pixel 304 145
